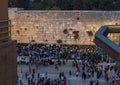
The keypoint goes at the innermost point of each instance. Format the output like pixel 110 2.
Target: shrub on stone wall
pixel 59 41
pixel 18 32
pixel 75 32
pixel 65 31
pixel 76 35
pixel 90 33
pixel 32 41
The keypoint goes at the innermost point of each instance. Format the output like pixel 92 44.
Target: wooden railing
pixel 5 30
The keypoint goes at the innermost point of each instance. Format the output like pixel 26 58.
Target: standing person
pixel 62 83
pixel 33 71
pixel 46 75
pixel 97 83
pixel 54 82
pixel 56 67
pixel 32 75
pixel 84 75
pixel 20 82
pixel 38 75
pixel 68 82
pixel 70 73
pixel 28 81
pixel 91 82
pixel 29 68
pixel 64 62
pixel 26 75
pixel 77 74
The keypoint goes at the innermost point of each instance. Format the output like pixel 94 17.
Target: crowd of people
pixel 37 52
pixel 89 57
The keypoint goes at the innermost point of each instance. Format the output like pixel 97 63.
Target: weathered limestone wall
pixel 48 26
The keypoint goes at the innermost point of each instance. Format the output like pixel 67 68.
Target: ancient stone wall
pixel 67 27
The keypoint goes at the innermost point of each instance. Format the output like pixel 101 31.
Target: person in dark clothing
pixel 70 72
pixel 97 83
pixel 38 75
pixel 32 75
pixel 91 82
pixel 26 75
pixel 84 75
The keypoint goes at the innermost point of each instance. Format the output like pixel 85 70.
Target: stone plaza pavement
pixel 53 74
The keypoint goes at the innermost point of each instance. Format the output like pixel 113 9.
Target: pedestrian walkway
pixel 53 74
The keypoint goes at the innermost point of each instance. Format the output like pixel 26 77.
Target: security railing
pixel 5 30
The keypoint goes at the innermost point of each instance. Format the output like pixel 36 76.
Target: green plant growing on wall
pixel 75 32
pixel 33 41
pixel 90 34
pixel 65 31
pixel 59 41
pixel 76 35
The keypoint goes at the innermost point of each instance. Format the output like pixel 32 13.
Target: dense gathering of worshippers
pixel 85 59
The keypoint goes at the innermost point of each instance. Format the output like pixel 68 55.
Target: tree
pixel 77 4
pixel 64 4
pixel 46 4
pixel 23 4
pixel 12 3
pixel 55 8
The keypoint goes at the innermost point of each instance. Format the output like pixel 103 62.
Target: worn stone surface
pixel 48 26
